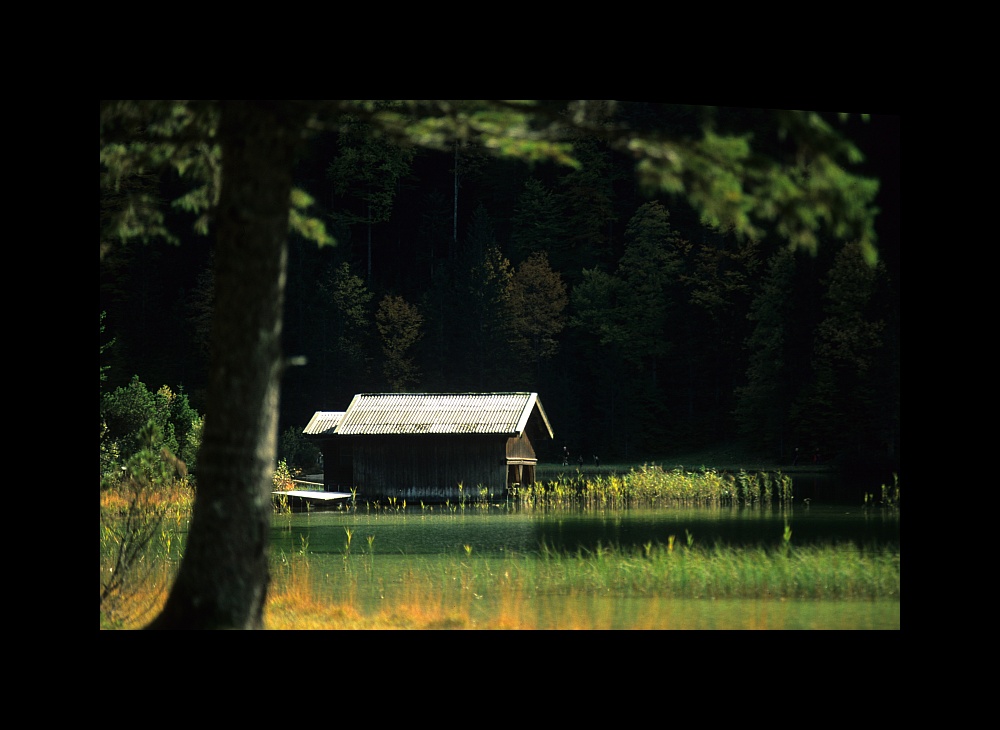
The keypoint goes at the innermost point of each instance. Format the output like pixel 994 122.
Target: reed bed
pixel 651 485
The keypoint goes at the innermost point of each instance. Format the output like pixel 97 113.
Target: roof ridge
pixel 460 392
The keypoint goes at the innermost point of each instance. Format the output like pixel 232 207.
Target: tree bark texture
pixel 223 578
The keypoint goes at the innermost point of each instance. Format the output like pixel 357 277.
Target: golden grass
pixel 574 593
pixel 137 608
pixel 295 604
pixel 176 498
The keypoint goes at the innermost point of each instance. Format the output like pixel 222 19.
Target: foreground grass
pixel 655 587
pixel 676 585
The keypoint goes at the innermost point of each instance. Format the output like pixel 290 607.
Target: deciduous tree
pixel 399 325
pixel 537 306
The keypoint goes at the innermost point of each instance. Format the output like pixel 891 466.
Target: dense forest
pixel 646 329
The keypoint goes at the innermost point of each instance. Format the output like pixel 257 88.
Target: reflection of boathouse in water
pixel 423 446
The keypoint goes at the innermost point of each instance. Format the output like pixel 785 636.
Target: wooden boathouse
pixel 430 447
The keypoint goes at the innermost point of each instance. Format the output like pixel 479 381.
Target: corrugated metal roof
pixel 411 413
pixel 323 423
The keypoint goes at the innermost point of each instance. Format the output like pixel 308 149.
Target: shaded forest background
pixel 644 331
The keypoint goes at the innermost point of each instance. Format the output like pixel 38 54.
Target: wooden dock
pixel 304 499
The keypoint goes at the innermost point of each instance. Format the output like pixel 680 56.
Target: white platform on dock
pixel 309 494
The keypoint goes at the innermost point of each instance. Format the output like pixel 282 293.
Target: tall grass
pixel 653 586
pixel 139 547
pixel 607 588
pixel 651 485
pixel 174 500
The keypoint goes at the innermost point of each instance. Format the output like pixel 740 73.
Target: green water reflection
pixel 423 532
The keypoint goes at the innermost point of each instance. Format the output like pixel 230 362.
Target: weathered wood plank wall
pixel 429 466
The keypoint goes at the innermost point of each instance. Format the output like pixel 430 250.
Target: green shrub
pixel 127 410
pixel 282 478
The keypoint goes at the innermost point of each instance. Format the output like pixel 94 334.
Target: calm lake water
pixel 385 546
pixel 441 531
pixel 823 511
pixel 388 542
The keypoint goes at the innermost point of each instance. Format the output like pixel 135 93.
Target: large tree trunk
pixel 223 579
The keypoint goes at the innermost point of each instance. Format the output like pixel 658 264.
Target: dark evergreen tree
pixel 347 335
pixel 483 280
pixel 602 371
pixel 836 414
pixel 434 239
pixel 585 197
pixel 367 170
pixel 538 223
pixel 200 305
pixel 437 353
pixel 717 282
pixel 650 293
pixel 763 402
